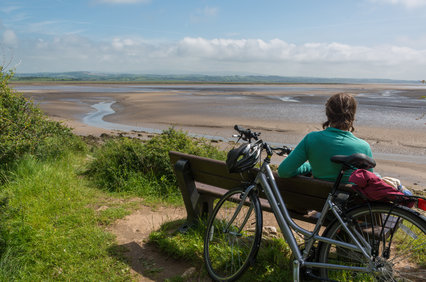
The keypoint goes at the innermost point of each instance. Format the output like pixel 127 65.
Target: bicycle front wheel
pixel 233 235
pixel 396 240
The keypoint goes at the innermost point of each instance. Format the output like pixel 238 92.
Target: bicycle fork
pixel 237 211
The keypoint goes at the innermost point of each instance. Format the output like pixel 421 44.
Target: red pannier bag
pixel 375 189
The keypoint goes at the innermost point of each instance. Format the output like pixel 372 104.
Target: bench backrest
pixel 300 193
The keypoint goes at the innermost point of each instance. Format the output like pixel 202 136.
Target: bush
pixel 144 167
pixel 156 151
pixel 25 129
pixel 115 163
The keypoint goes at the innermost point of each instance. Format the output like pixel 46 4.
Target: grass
pixel 273 262
pixel 50 229
pixel 53 214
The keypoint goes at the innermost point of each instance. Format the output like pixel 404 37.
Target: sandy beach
pixel 398 139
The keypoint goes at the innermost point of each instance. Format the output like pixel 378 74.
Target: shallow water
pixel 102 109
pixel 382 108
pixel 387 108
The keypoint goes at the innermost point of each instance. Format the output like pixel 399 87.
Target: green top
pixel 317 148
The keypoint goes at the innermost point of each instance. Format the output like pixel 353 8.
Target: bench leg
pixel 205 204
pixel 203 209
pixel 197 205
pixel 189 192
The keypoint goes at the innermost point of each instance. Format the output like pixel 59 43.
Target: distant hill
pixel 90 76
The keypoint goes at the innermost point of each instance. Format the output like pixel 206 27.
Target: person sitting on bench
pixel 312 155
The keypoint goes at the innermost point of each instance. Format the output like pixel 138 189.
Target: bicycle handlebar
pixel 248 135
pixel 284 150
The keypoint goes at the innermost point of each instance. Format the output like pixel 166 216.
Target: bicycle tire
pixel 398 239
pixel 228 253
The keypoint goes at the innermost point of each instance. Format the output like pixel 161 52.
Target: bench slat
pixel 205 189
pixel 212 179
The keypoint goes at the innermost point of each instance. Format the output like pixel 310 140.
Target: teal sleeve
pixel 295 163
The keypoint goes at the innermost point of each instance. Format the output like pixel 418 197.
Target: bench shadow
pixel 147 260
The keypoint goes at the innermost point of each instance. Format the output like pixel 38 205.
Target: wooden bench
pixel 201 180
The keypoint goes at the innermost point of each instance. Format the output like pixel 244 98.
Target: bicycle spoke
pixel 229 249
pixel 398 243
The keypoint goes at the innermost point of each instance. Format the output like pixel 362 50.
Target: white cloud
pixel 278 50
pixel 203 15
pixel 241 56
pixel 210 11
pixel 9 9
pixel 9 38
pixel 406 3
pixel 45 27
pixel 120 44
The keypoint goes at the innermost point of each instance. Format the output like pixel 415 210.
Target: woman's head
pixel 340 110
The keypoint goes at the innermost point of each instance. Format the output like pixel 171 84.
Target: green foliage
pixel 109 215
pixel 144 167
pixel 25 129
pixel 156 151
pixel 49 229
pixel 187 246
pixel 114 163
pixel 273 261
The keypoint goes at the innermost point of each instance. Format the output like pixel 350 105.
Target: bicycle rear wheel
pixel 233 235
pixel 397 236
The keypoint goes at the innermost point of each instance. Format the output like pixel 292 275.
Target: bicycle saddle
pixel 355 160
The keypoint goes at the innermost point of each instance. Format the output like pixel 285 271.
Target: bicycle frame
pixel 265 179
pixel 350 229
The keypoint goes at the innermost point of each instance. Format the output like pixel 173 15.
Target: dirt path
pixel 146 262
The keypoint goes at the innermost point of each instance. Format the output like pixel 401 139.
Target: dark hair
pixel 340 110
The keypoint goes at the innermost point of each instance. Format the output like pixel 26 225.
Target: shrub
pixel 115 163
pixel 25 129
pixel 126 164
pixel 156 151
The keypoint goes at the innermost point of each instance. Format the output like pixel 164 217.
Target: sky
pixel 308 38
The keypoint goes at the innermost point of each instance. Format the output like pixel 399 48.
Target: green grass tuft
pixel 49 229
pixel 273 261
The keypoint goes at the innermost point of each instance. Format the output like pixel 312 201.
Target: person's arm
pixel 295 163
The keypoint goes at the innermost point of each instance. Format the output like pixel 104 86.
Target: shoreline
pixel 161 110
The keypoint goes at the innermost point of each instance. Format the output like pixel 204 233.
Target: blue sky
pixel 341 38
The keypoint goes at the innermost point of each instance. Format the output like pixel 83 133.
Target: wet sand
pixel 399 149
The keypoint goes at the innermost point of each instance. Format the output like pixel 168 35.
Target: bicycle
pixel 382 240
